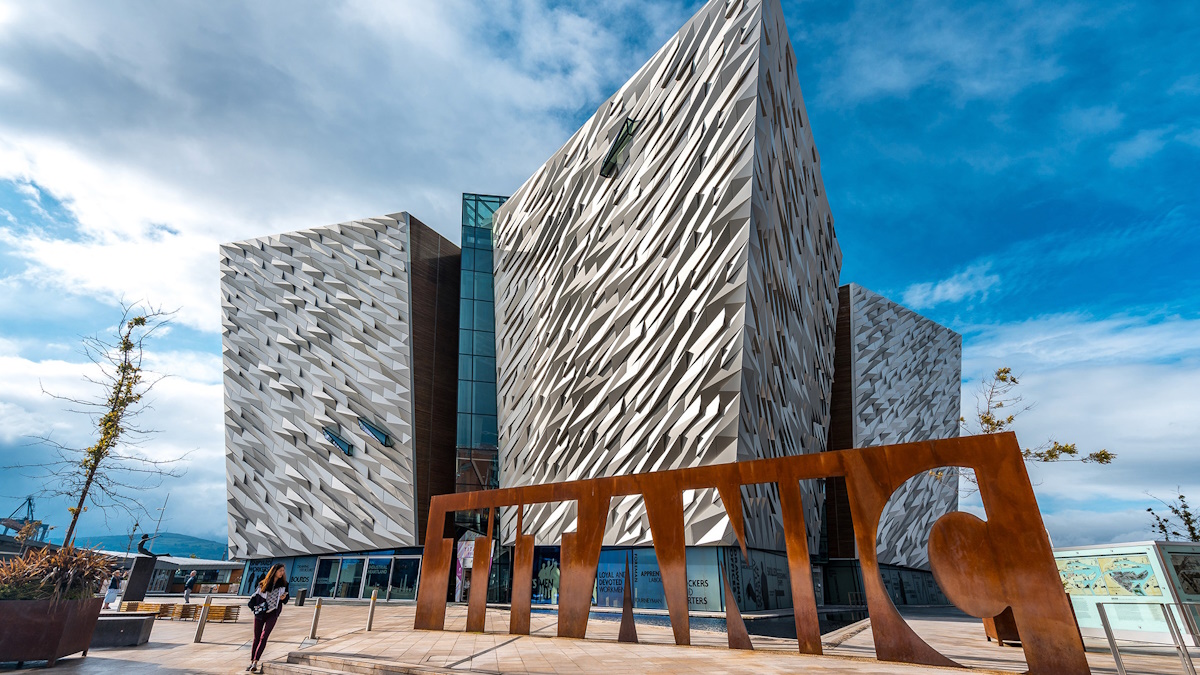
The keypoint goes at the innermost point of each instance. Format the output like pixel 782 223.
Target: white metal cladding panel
pixel 317 334
pixel 792 286
pixel 907 387
pixel 624 306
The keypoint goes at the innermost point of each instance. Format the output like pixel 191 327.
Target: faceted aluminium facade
pixel 897 380
pixel 339 354
pixel 666 285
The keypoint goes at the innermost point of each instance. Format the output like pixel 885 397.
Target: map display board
pixel 1118 575
pixel 1185 567
pixel 1183 564
pixel 1133 581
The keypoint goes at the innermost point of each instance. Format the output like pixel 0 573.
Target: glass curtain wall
pixel 394 577
pixel 478 456
pixel 477 430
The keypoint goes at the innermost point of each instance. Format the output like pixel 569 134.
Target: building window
pixel 342 443
pixel 380 435
pixel 619 152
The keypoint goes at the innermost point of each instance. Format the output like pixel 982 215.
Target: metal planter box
pixel 42 630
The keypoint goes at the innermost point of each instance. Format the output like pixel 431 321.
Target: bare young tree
pixel 1188 526
pixel 112 472
pixel 997 406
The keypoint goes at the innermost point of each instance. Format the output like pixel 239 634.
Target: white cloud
pixel 887 49
pixel 224 122
pixel 1125 384
pixel 186 408
pixel 1190 137
pixel 1143 145
pixel 973 282
pixel 1077 341
pixel 1099 119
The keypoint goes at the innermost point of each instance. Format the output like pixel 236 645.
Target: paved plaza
pixel 344 645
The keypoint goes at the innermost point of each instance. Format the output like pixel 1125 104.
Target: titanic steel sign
pixel 983 567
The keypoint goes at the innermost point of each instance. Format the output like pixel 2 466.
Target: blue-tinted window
pixel 466 341
pixel 479 237
pixel 337 440
pixel 465 361
pixel 477 429
pixel 483 260
pixel 483 287
pixel 485 343
pixel 484 317
pixel 464 396
pixel 485 212
pixel 468 284
pixel 468 258
pixel 464 430
pixel 466 315
pixel 485 398
pixel 485 368
pixel 379 434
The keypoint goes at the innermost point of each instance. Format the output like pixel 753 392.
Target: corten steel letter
pixel 580 553
pixel 664 510
pixel 480 568
pixel 983 566
pixel 628 632
pixel 894 639
pixel 522 582
pixel 1007 561
pixel 804 601
pixel 435 568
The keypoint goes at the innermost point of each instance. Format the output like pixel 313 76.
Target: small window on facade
pixel 342 443
pixel 379 434
pixel 619 152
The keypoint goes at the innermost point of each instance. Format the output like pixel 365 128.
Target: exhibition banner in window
pixel 704 585
pixel 301 575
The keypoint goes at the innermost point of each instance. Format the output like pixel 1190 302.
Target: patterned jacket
pixel 274 598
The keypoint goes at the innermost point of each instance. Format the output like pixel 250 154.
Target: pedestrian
pixel 267 602
pixel 114 588
pixel 188 586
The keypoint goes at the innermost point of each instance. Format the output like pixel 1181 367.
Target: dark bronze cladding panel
pixel 841 433
pixel 435 274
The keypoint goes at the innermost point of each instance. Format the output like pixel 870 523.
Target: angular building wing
pixel 336 429
pixel 666 284
pixel 898 380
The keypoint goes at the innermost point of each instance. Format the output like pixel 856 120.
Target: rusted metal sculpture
pixel 984 567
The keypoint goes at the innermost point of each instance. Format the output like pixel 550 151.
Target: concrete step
pixel 284 668
pixel 316 663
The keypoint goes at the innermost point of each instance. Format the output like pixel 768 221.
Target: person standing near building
pixel 271 595
pixel 188 587
pixel 114 588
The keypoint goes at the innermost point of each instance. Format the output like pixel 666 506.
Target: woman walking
pixel 271 596
pixel 114 588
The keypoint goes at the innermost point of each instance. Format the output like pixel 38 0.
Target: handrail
pixel 1172 627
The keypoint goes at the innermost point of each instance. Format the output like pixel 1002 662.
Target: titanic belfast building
pixel 662 293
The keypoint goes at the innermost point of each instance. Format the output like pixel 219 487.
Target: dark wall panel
pixel 839 526
pixel 436 265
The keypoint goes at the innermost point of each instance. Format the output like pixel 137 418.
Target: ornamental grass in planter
pixel 48 603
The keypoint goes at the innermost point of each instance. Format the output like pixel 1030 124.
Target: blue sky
pixel 1025 173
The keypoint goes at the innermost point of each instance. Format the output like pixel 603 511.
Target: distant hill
pixel 179 545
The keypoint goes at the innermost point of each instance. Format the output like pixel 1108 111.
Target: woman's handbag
pixel 257 604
